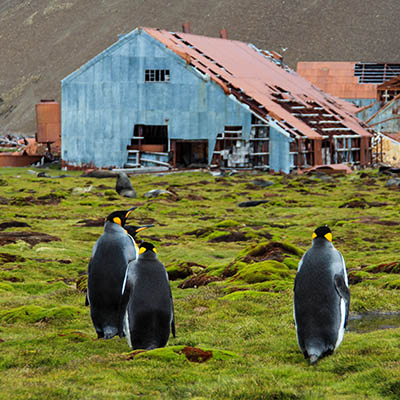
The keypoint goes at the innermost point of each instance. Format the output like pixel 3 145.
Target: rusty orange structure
pixel 337 79
pixel 48 117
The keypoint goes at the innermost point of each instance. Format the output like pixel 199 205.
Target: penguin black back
pixel 321 297
pixel 147 302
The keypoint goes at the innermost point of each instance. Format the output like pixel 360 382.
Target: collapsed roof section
pixel 260 80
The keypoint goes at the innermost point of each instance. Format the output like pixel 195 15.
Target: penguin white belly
pixel 126 329
pixel 341 326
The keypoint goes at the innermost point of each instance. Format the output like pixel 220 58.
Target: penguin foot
pixel 313 359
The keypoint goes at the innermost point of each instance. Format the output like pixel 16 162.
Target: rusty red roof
pixel 259 79
pixel 393 83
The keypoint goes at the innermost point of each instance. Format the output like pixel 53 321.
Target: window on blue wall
pixel 156 75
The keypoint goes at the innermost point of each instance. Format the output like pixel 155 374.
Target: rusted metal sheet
pixel 258 81
pixel 18 160
pixel 48 117
pixel 336 78
pixel 331 169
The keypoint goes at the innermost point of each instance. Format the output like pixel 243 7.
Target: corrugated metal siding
pixel 367 113
pixel 280 158
pixel 104 99
pixel 388 119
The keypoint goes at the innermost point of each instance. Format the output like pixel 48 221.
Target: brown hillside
pixel 42 41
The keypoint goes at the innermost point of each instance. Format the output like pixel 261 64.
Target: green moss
pixel 256 250
pixel 262 271
pixel 391 267
pixel 394 284
pixel 6 287
pixel 291 263
pixel 215 234
pixel 12 277
pixel 247 294
pixel 60 358
pixel 229 223
pixel 32 313
pixel 81 283
pixel 169 353
pixel 177 353
pixel 292 249
pixel 178 271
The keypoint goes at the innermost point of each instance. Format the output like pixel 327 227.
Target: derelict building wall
pixel 104 99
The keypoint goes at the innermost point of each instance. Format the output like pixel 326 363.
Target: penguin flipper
pixel 341 288
pixel 344 293
pixel 86 300
pixel 173 313
pixel 122 308
pixel 173 325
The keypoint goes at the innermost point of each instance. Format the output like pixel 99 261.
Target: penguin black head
pixel 323 232
pixel 146 247
pixel 133 230
pixel 120 217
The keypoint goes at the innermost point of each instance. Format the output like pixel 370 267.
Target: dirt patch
pixel 252 203
pixel 45 260
pixel 377 221
pixel 13 279
pixel 48 199
pixel 229 270
pixel 389 268
pixel 353 277
pixel 147 239
pixel 194 354
pixel 13 224
pixel 179 271
pixel 195 197
pixel 272 251
pixel 30 237
pixel 199 232
pixel 81 283
pixel 6 258
pixel 91 222
pixel 361 203
pixel 354 204
pixel 171 237
pixel 103 187
pixel 198 280
pixel 134 353
pixel 231 237
pixel 149 221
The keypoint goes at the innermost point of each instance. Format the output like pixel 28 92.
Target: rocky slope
pixel 42 41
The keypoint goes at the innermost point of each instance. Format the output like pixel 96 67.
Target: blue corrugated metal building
pixel 141 102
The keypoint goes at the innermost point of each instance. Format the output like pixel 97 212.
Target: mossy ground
pixel 48 348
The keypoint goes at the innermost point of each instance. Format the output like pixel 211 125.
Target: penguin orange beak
pixel 143 227
pixel 129 211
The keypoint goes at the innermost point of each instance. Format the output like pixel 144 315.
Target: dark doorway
pixel 150 138
pixel 190 153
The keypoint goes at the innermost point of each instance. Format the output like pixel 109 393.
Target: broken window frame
pixel 157 75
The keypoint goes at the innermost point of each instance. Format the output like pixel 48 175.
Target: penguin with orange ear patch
pixel 321 297
pixel 147 305
pixel 110 257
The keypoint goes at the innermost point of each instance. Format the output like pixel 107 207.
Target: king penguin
pixel 147 305
pixel 321 297
pixel 106 272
